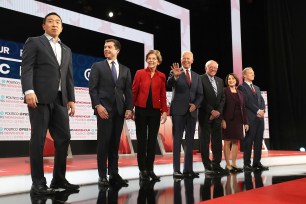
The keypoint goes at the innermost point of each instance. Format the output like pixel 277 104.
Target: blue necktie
pixel 114 71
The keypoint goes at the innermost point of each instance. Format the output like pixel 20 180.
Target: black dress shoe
pixel 248 168
pixel 117 179
pixel 208 169
pixel 260 167
pixel 103 181
pixel 153 176
pixel 143 176
pixel 41 190
pixel 220 171
pixel 178 175
pixel 190 174
pixel 236 170
pixel 63 184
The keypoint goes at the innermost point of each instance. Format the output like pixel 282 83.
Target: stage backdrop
pixel 14 120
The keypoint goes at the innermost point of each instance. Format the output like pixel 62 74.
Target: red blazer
pixel 141 86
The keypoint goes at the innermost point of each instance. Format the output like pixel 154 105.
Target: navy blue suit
pixel 182 118
pixel 116 97
pixel 253 102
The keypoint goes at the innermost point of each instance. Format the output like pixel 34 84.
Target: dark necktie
pixel 188 77
pixel 114 71
pixel 252 88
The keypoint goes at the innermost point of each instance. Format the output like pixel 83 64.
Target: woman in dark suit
pixel 149 97
pixel 234 122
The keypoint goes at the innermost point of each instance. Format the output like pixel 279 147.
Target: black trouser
pixel 54 117
pixel 147 127
pixel 210 131
pixel 109 133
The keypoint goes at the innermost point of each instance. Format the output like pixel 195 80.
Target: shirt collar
pixel 249 83
pixel 210 78
pixel 110 61
pixel 51 38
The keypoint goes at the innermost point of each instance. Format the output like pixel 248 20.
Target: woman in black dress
pixel 234 122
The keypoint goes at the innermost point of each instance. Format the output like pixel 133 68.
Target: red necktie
pixel 188 77
pixel 252 87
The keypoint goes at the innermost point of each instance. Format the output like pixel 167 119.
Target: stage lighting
pixel 110 14
pixel 302 149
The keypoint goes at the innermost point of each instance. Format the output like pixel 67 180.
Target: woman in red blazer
pixel 149 97
pixel 234 120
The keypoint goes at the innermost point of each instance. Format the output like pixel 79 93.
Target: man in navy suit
pixel 110 89
pixel 210 117
pixel 255 106
pixel 187 95
pixel 47 82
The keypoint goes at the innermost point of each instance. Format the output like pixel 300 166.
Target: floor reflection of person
pixel 177 191
pixel 109 194
pixel 249 182
pixel 58 197
pixel 215 183
pixel 188 182
pixel 232 186
pixel 146 192
pixel 189 195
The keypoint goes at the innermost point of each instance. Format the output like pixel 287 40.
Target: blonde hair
pixel 157 53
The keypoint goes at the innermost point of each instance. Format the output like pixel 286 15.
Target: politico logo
pixel 86 74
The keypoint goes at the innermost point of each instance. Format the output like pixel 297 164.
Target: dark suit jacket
pixel 141 86
pixel 253 102
pixel 230 106
pixel 42 73
pixel 211 101
pixel 103 89
pixel 182 94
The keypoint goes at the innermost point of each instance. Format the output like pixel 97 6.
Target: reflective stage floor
pixel 285 182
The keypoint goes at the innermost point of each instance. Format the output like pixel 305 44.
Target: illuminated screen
pixel 85 35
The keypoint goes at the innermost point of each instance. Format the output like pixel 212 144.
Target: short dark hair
pixel 116 43
pixel 50 14
pixel 235 76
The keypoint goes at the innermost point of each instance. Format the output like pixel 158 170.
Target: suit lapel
pixel 109 71
pixel 120 71
pixel 46 43
pixel 64 53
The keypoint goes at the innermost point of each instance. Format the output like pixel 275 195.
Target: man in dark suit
pixel 47 82
pixel 110 89
pixel 187 95
pixel 255 106
pixel 210 116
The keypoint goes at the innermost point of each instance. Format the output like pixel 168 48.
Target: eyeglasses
pixel 213 68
